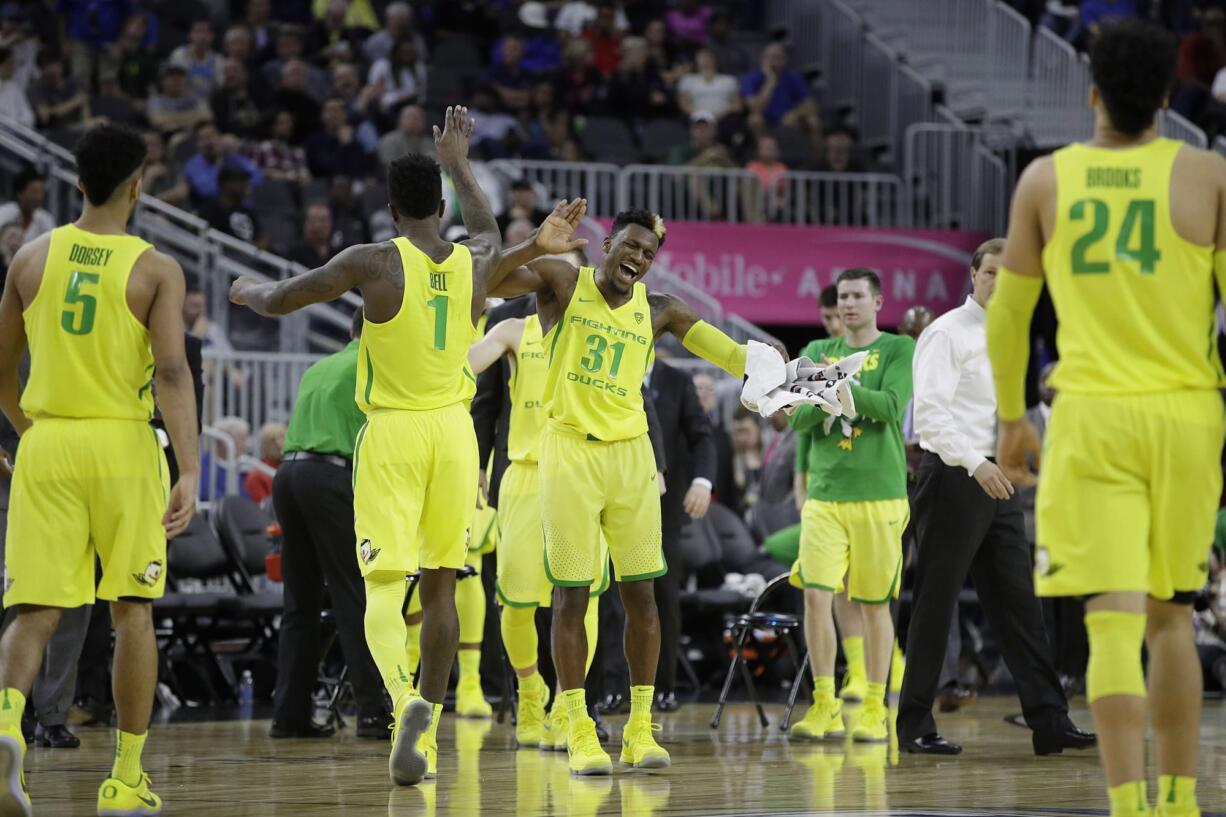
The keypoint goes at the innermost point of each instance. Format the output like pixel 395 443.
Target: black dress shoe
pixel 310 730
pixel 29 726
pixel 667 702
pixel 1065 736
pixel 375 727
pixel 55 737
pixel 612 704
pixel 930 744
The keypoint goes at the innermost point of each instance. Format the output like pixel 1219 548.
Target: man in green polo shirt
pixel 313 496
pixel 853 519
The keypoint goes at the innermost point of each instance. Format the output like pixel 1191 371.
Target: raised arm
pixel 671 314
pixel 500 340
pixel 484 238
pixel 523 268
pixel 174 387
pixel 351 268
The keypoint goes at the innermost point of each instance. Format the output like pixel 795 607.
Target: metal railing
pixel 260 387
pixel 957 181
pixel 593 181
pixel 222 461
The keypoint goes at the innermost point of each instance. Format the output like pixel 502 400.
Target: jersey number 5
pixel 78 315
pixel 1139 249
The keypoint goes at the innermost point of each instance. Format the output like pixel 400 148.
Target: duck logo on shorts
pixel 8 582
pixel 151 575
pixel 369 554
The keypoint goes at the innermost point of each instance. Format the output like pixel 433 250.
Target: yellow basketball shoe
pixel 470 699
pixel 557 728
pixel 584 750
pixel 824 719
pixel 530 727
pixel 898 665
pixel 855 686
pixel 117 798
pixel 406 764
pixel 427 746
pixel 639 747
pixel 871 724
pixel 14 798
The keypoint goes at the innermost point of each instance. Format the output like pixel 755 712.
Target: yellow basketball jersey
pixel 1134 299
pixel 418 360
pixel 598 357
pixel 89 355
pixel 527 387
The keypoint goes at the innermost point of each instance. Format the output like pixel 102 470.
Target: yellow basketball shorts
pixel 522 581
pixel 588 488
pixel 414 489
pixel 83 488
pixel 1128 493
pixel 860 540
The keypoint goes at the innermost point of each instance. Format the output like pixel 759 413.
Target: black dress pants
pixel 314 502
pixel 960 529
pixel 668 603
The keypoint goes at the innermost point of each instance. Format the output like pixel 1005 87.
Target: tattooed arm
pixel 353 267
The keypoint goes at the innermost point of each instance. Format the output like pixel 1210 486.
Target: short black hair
pixel 107 156
pixel 830 296
pixel 861 274
pixel 25 177
pixel 643 218
pixel 1133 67
pixel 414 185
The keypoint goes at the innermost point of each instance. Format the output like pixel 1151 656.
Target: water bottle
pixel 246 695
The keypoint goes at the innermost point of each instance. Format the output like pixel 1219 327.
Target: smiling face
pixel 628 256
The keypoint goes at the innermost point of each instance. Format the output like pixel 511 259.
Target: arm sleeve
pixel 1009 313
pixel 697 430
pixel 935 373
pixel 654 431
pixel 888 403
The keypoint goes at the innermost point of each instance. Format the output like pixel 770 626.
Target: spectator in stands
pixel 746 462
pixel 26 209
pixel 163 178
pixel 15 36
pixel 358 13
pixel 776 95
pixel 577 15
pixel 399 80
pixel 259 22
pixel 518 230
pixel 349 222
pixel 60 102
pixel 508 77
pixel 331 40
pixel 770 172
pixel 521 204
pixel 13 102
pixel 687 23
pixel 707 90
pixel 291 51
pixel 292 95
pixel 660 48
pixel 359 101
pixel 172 109
pixel 495 133
pixel 411 136
pixel 213 152
pixel 1203 54
pixel 199 60
pixel 547 127
pixel 776 506
pixel 229 211
pixel 196 319
pixel 704 149
pixel 334 150
pixel 238 44
pixel 258 483
pixel 132 59
pixel 839 152
pixel 219 461
pixel 638 90
pixel 276 158
pixel 542 52
pixel 732 58
pixel 398 23
pixel 582 85
pixel 1095 13
pixel 235 109
pixel 316 247
pixel 91 27
pixel 605 37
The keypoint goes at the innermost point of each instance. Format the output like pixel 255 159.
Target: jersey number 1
pixel 78 315
pixel 439 304
pixel 1128 247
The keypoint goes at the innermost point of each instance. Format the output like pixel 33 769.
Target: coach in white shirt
pixel 969 520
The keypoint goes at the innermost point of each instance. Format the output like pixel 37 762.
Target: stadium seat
pixel 609 140
pixel 660 135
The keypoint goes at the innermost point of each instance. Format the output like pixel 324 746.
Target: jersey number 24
pixel 1135 241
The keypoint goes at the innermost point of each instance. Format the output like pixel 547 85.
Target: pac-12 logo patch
pixel 638 317
pixel 368 553
pixel 151 575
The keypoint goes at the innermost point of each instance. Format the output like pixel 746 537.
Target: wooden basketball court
pixel 230 768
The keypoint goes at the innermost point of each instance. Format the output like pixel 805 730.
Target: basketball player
pixel 597 473
pixel 522 584
pixel 102 312
pixel 1128 230
pixel 422 299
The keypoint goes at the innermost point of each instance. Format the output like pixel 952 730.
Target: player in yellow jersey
pixel 597 472
pixel 1128 231
pixel 102 312
pixel 415 461
pixel 522 584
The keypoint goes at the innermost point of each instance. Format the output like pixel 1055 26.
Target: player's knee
pixel 818 600
pixel 1173 617
pixel 1115 654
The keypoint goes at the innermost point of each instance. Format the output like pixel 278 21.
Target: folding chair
pixel 782 625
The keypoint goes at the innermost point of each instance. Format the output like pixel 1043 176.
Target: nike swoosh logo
pixel 585 300
pixel 148 801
